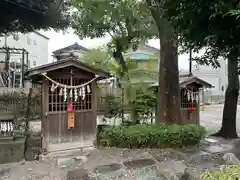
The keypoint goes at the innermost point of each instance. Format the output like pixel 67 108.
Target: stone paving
pixel 125 164
pixel 211 117
pixel 129 164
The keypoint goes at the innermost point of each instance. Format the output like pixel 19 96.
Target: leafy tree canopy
pixel 26 16
pixel 125 21
pixel 100 57
pixel 211 24
pixel 128 21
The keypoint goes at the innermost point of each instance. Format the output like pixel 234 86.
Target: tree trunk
pixel 169 89
pixel 228 129
pixel 27 116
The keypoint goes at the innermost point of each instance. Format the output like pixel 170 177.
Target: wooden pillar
pixel 44 124
pixel 94 101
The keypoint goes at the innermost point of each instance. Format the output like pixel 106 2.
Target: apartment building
pixel 30 49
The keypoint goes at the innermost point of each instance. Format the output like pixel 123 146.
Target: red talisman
pixel 190 111
pixel 71 118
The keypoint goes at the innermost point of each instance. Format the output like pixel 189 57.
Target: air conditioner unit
pixel 16 36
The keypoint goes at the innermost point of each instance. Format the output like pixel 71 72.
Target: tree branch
pixel 110 34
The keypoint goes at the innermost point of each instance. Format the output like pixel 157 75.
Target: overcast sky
pixel 59 40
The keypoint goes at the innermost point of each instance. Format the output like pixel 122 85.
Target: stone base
pixel 66 153
pixel 11 151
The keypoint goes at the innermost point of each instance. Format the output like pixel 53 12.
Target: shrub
pixel 153 136
pixel 128 123
pixel 227 173
pixel 144 103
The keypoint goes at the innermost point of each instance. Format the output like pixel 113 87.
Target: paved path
pixel 211 117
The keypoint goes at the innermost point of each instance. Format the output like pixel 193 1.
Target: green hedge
pixel 152 136
pixel 227 173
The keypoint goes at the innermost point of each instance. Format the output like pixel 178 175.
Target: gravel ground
pixel 36 170
pixel 48 170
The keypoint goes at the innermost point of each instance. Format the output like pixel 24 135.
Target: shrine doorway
pixel 69 105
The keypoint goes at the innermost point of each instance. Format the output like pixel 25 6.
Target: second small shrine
pixel 190 89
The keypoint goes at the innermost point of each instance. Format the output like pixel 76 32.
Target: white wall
pixel 34 43
pixel 217 77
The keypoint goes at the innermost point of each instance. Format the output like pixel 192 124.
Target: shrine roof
pixel 63 63
pixel 74 46
pixel 186 79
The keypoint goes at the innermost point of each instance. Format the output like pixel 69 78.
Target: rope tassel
pixel 61 92
pixel 70 94
pixel 75 95
pixel 52 88
pixel 83 93
pixel 80 92
pixel 65 93
pixel 88 89
pixel 68 87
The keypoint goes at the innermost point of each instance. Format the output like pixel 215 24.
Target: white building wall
pixel 217 77
pixel 34 43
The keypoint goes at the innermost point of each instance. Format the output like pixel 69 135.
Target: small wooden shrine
pixel 69 112
pixel 190 89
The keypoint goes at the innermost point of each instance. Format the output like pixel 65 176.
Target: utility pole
pixel 5 40
pixel 190 61
pixel 7 62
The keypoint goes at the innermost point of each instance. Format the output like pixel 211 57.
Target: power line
pixel 26 7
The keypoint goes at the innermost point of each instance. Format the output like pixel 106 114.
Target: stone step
pixel 6 138
pixel 66 153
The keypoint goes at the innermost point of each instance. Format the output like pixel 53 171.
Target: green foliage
pixel 235 12
pixel 99 58
pixel 127 122
pixel 112 106
pixel 14 105
pixel 129 81
pixel 23 15
pixel 125 21
pixel 205 24
pixel 144 103
pixel 227 173
pixel 153 136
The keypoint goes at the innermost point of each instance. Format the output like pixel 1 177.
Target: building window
pixel 16 36
pixel 222 88
pixel 34 42
pixel 34 63
pixel 28 41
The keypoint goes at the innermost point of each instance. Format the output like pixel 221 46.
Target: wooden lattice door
pixel 85 121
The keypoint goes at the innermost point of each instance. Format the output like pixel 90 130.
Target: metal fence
pixel 210 98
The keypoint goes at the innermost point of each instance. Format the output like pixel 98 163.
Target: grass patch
pixel 226 173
